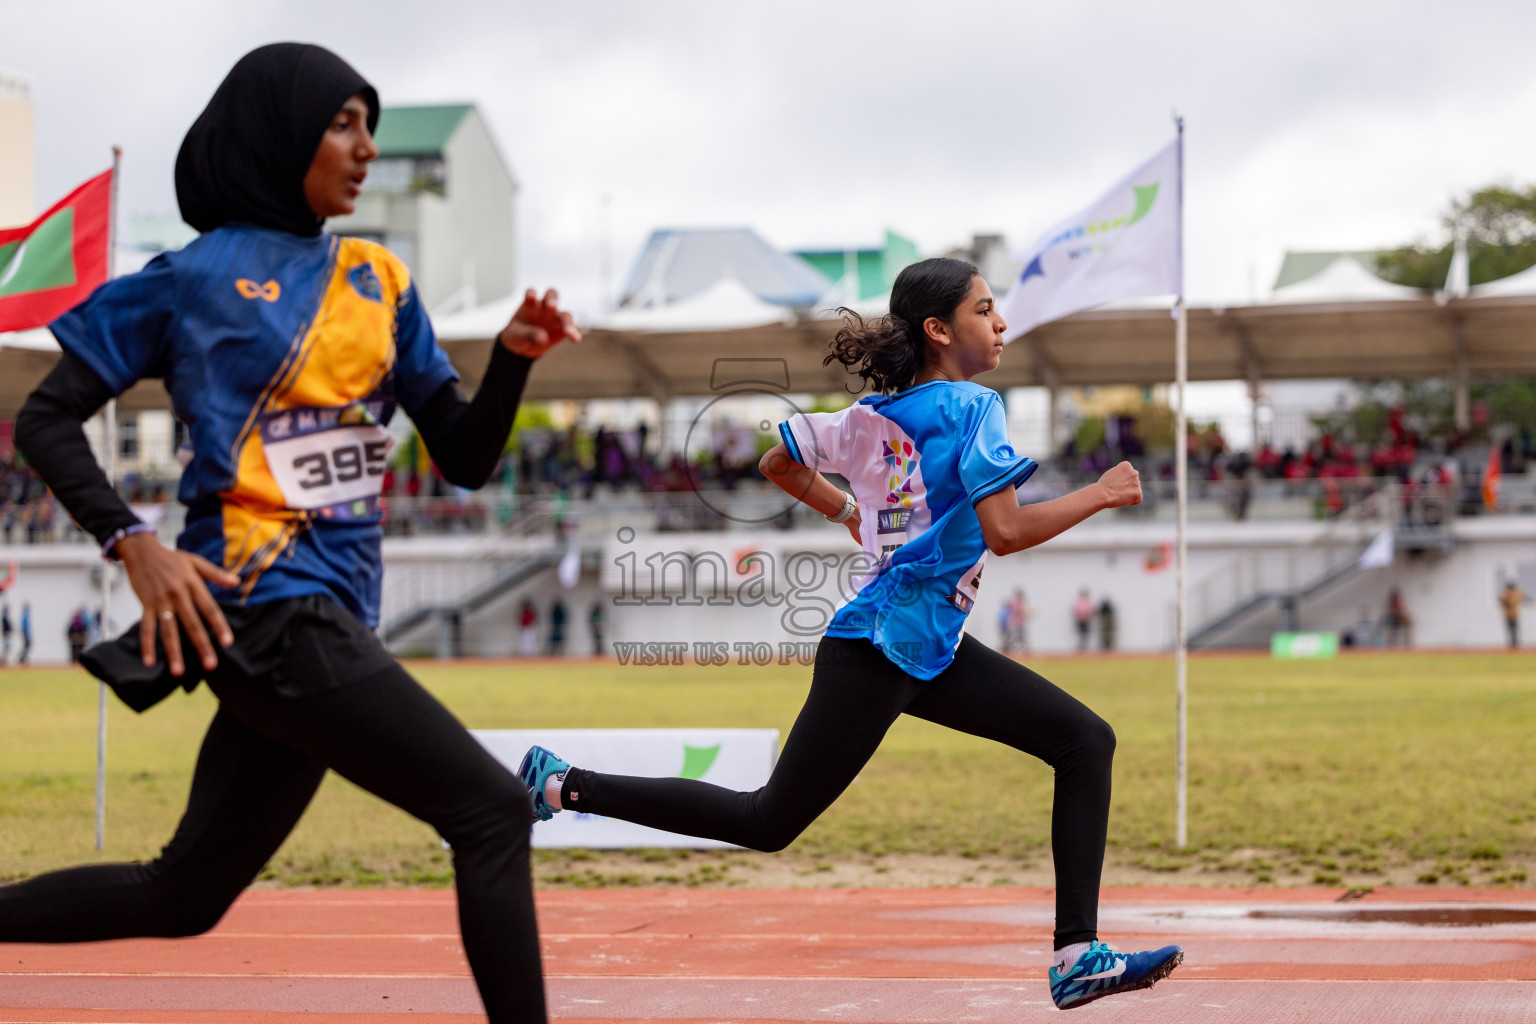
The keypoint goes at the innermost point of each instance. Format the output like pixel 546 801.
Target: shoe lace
pixel 1101 956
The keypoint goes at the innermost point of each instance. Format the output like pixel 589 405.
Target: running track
pixel 867 956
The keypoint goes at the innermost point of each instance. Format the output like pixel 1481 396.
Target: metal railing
pixel 758 506
pixel 1254 577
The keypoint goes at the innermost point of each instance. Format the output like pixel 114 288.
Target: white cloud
pixel 1310 124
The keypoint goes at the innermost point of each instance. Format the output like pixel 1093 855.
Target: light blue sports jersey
pixel 918 462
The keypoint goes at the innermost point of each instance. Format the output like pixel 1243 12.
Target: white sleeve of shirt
pixel 818 440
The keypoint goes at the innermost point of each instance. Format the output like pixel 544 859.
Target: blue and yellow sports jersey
pixel 918 462
pixel 285 357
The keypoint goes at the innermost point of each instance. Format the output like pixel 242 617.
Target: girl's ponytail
pixel 881 350
pixel 889 352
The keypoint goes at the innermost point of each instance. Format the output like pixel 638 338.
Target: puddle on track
pixel 1434 917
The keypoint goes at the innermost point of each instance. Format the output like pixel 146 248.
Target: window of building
pixel 128 438
pixel 401 174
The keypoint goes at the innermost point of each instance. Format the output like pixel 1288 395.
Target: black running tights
pixel 856 693
pixel 260 764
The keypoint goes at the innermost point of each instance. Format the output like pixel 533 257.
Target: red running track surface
pixel 870 956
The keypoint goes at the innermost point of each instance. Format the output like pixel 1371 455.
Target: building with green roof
pixel 441 197
pixel 864 273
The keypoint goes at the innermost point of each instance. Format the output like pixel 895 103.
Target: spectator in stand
pixel 595 621
pixel 1082 617
pixel 1268 462
pixel 75 633
pixel 1018 615
pixel 528 624
pixel 1333 497
pixel 1398 620
pixel 1239 495
pixel 557 619
pixel 32 520
pixel 1106 624
pixel 1511 598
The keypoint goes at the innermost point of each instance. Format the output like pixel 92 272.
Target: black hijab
pixel 245 156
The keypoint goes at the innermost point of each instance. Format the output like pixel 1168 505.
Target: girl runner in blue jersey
pixel 285 351
pixel 933 478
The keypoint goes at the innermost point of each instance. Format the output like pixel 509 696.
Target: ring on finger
pixel 168 615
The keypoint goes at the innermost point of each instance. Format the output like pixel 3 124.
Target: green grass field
pixel 1359 769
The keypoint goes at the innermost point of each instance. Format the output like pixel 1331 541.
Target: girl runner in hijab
pixel 929 456
pixel 285 350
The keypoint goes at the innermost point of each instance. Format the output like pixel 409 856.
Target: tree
pixel 1500 223
pixel 1500 226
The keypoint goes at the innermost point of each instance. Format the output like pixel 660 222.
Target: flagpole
pixel 109 438
pixel 1181 561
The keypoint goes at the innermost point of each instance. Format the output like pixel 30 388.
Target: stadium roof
pixel 1478 336
pixel 418 131
pixel 1413 338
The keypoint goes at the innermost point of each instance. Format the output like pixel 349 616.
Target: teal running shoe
pixel 1103 972
pixel 538 765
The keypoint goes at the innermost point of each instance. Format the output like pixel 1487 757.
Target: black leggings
pixel 856 693
pixel 260 764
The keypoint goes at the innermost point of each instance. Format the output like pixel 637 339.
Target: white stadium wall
pixel 57 579
pixel 1452 596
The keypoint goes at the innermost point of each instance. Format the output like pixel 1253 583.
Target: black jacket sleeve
pixel 49 434
pixel 467 438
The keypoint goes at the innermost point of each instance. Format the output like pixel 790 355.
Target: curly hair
pixel 888 352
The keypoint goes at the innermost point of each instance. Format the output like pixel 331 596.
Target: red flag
pixel 1491 480
pixel 57 260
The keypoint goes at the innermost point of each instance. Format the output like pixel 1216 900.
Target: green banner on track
pixel 1304 645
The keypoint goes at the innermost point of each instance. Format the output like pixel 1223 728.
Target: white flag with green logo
pixel 1124 246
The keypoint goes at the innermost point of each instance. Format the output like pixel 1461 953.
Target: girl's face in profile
pixel 335 176
pixel 975 332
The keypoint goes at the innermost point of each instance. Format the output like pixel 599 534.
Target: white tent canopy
pixel 38 340
pixel 1346 279
pixel 1523 283
pixel 480 322
pixel 725 305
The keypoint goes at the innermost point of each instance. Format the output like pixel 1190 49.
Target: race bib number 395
pixel 330 460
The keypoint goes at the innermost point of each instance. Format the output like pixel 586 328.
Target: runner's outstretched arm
pixel 1008 526
pixel 467 437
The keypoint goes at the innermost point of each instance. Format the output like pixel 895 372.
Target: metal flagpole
pixel 109 443
pixel 1181 561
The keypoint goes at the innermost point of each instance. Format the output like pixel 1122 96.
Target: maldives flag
pixel 57 260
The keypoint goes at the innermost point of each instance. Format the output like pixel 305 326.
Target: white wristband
pixel 849 507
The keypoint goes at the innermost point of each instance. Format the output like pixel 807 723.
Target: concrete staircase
pixel 447 599
pixel 1257 582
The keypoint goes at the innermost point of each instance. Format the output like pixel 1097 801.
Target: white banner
pixel 1124 246
pixel 740 759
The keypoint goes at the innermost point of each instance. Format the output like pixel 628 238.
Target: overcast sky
pixel 1309 124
